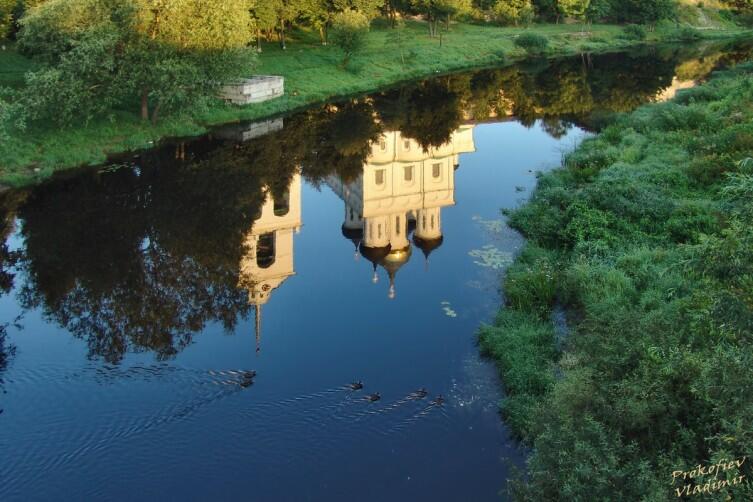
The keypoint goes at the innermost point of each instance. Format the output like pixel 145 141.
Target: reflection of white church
pixel 268 260
pixel 399 195
pixel 401 191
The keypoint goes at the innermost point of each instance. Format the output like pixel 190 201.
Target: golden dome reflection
pixel 400 194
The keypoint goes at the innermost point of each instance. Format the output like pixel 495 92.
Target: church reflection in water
pixel 393 205
pixel 268 260
pixel 399 194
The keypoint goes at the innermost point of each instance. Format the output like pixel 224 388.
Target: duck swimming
pixel 374 397
pixel 439 400
pixel 247 378
pixel 420 393
pixel 356 385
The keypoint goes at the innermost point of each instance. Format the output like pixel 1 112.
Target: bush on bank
pixel 648 233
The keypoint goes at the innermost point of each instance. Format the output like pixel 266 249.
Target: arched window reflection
pixel 265 250
pixel 282 205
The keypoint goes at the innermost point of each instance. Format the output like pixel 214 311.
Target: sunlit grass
pixel 313 74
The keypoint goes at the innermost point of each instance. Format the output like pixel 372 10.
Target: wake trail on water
pixel 318 421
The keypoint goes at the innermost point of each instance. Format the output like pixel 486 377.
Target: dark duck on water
pixel 374 397
pixel 356 385
pixel 247 378
pixel 420 393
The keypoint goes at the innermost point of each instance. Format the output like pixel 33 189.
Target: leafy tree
pixel 349 31
pixel 285 12
pixel 6 17
pixel 647 12
pixel 319 14
pixel 395 7
pixel 598 10
pixel 434 11
pixel 11 12
pixel 548 10
pixel 264 19
pixel 739 5
pixel 575 9
pixel 514 11
pixel 369 8
pixel 102 54
pixel 456 8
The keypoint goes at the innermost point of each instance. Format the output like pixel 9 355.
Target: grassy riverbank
pixel 645 237
pixel 313 75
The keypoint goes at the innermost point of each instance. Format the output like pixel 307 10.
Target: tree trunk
pixel 155 113
pixel 323 34
pixel 144 104
pixel 258 40
pixel 282 34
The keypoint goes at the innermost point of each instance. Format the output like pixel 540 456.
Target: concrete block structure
pixel 253 90
pixel 247 132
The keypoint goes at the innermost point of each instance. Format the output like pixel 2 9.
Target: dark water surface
pixel 356 241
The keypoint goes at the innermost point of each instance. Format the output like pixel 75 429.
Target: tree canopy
pixel 101 55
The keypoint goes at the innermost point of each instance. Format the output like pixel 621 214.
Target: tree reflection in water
pixel 142 257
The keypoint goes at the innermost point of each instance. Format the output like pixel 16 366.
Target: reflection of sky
pixel 179 430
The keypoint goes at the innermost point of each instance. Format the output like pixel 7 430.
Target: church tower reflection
pixel 400 192
pixel 268 260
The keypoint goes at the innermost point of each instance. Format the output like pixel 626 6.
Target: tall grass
pixel 645 236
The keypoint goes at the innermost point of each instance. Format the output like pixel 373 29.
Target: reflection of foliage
pixel 139 259
pixel 142 257
pixel 428 112
pixel 8 260
pixel 560 93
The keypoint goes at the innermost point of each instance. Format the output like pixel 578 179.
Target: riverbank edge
pixel 543 364
pixel 72 149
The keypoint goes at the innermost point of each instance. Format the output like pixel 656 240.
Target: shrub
pixel 532 43
pixel 687 34
pixel 348 32
pixel 634 32
pixel 531 284
pixel 524 350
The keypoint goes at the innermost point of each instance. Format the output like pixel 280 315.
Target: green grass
pixel 313 75
pixel 13 66
pixel 645 237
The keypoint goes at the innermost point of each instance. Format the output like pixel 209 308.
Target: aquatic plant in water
pixel 491 226
pixel 448 311
pixel 491 257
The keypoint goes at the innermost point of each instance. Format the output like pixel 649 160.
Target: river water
pixel 362 241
